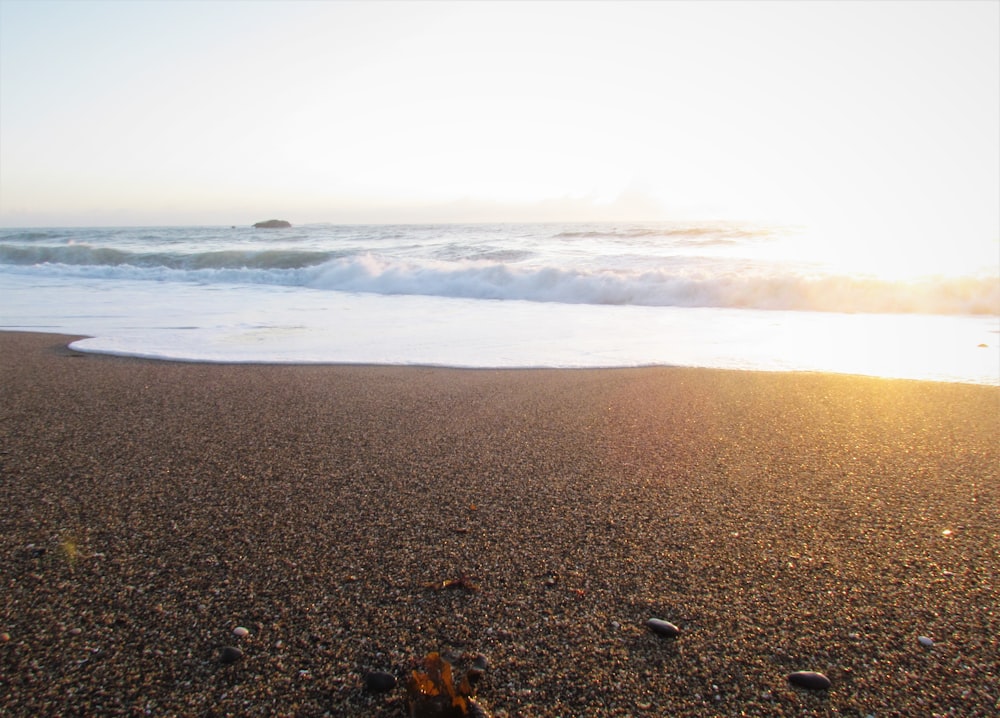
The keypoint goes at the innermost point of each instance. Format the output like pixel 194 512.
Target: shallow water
pixel 493 296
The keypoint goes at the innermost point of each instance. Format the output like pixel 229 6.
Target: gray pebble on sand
pixel 230 654
pixel 663 628
pixel 809 679
pixel 379 682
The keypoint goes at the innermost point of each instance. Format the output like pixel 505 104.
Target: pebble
pixel 480 664
pixel 379 682
pixel 663 628
pixel 230 654
pixel 925 641
pixel 241 632
pixel 809 679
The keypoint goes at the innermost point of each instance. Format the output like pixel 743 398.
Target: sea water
pixel 724 295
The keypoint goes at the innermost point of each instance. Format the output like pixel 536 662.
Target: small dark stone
pixel 663 628
pixel 474 676
pixel 379 681
pixel 481 663
pixel 230 654
pixel 809 679
pixel 34 551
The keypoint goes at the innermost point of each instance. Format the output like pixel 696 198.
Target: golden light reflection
pixel 913 346
pixel 904 254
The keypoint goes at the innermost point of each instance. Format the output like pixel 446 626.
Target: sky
pixel 837 115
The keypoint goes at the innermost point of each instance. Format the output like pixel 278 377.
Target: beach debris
pixel 379 682
pixel 241 632
pixel 432 693
pixel 809 679
pixel 464 582
pixel 925 641
pixel 663 628
pixel 229 655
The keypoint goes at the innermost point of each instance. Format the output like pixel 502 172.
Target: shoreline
pixel 782 521
pixel 446 367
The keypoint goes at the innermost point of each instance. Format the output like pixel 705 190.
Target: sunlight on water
pixel 904 254
pixel 896 346
pixel 597 295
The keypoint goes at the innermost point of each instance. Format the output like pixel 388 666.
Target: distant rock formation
pixel 273 224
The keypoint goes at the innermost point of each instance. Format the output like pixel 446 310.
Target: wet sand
pixel 355 518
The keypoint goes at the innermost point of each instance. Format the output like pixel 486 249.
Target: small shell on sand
pixel 925 641
pixel 809 679
pixel 663 628
pixel 241 632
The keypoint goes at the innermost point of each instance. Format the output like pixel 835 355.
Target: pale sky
pixel 844 114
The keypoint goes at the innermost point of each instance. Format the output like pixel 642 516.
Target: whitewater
pixel 723 295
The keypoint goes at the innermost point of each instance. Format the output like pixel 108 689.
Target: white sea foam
pixel 533 295
pixel 742 286
pixel 677 281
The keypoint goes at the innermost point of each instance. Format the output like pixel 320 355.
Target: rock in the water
pixel 379 682
pixel 230 654
pixel 662 628
pixel 809 679
pixel 273 224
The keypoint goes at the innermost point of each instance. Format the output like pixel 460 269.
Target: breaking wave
pixel 661 287
pixel 463 268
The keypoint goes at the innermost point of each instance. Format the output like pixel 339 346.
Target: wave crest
pixel 507 274
pixel 484 280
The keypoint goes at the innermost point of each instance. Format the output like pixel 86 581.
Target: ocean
pixel 725 295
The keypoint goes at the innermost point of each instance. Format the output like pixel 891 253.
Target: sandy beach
pixel 354 518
